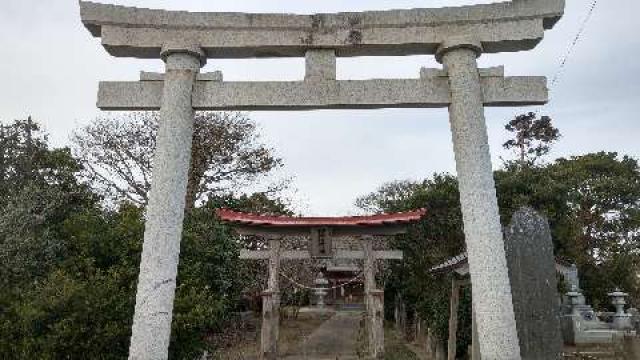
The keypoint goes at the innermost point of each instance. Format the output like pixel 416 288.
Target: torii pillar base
pixel 270 326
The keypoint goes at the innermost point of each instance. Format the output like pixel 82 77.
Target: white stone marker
pixel 165 213
pixel 485 245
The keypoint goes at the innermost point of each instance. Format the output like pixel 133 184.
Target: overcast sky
pixel 50 67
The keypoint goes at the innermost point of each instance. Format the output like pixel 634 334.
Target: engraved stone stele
pixel 455 35
pixel 529 250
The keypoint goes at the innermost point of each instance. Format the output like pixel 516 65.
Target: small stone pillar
pixel 151 329
pixel 485 245
pixel 621 320
pixel 270 325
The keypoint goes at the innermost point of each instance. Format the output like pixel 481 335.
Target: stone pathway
pixel 335 339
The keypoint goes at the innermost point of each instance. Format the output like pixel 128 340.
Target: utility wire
pixel 573 44
pixel 569 52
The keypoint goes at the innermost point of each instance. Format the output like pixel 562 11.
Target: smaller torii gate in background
pixel 321 231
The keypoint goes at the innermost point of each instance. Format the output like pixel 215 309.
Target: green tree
pixel 533 137
pixel 68 267
pixel 601 228
pixel 38 189
pixel 26 160
pixel 592 203
pixel 437 237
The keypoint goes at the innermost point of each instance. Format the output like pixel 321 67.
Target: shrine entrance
pixel 456 36
pixel 346 251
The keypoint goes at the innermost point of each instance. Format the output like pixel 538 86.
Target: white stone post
pixel 165 212
pixel 485 245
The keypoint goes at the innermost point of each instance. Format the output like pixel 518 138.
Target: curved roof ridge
pixel 252 219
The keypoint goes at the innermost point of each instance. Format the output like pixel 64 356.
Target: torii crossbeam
pixel 455 35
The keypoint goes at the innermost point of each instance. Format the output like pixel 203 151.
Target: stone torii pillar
pixel 270 332
pixel 374 301
pixel 165 212
pixel 492 300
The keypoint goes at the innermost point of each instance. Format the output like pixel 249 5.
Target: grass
pixel 395 346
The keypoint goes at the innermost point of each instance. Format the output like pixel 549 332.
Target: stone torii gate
pixel 456 36
pixel 321 231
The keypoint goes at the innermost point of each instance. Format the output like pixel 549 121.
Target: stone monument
pixel 456 36
pixel 532 271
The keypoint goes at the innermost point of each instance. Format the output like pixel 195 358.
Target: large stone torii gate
pixel 456 36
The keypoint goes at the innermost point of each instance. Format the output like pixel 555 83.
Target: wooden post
pixel 453 319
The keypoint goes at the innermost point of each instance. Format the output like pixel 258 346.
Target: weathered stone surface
pixel 375 317
pixel 304 95
pixel 507 26
pixel 320 65
pixel 165 213
pixel 483 232
pixel 496 71
pixel 152 76
pixel 529 250
pixel 270 326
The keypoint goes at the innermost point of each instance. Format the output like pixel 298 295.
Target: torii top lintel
pixel 383 224
pixel 500 27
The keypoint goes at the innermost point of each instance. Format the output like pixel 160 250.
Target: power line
pixel 573 44
pixel 564 61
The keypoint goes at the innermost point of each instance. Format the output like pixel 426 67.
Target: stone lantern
pixel 576 299
pixel 320 291
pixel 621 320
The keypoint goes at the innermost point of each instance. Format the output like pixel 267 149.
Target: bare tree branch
pixel 227 154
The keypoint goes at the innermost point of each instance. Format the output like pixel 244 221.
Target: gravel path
pixel 335 339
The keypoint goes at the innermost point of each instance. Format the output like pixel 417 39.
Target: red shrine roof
pixel 248 219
